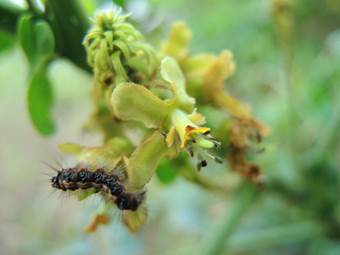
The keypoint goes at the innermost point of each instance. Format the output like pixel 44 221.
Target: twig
pixel 275 236
pixel 9 14
pixel 32 6
pixel 218 235
pixel 70 24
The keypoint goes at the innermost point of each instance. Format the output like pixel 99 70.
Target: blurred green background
pixel 287 55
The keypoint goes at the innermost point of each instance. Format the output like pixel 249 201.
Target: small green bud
pixel 172 73
pixel 115 47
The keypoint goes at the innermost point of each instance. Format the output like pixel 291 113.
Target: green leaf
pixel 108 156
pixel 120 3
pixel 166 171
pixel 9 15
pixel 36 39
pixel 6 41
pixel 70 24
pixel 44 38
pixel 40 101
pixel 26 36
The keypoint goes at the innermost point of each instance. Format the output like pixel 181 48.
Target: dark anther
pixel 191 152
pixel 218 160
pixel 258 137
pixel 108 80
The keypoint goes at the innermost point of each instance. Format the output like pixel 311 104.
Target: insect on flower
pixel 108 185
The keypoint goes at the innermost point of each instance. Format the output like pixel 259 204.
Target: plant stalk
pixel 217 237
pixel 70 24
pixel 275 236
pixel 9 14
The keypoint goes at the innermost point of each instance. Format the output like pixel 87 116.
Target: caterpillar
pixel 70 179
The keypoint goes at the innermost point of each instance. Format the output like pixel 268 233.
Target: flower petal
pixel 186 128
pixel 99 219
pixel 197 118
pixel 195 66
pixel 213 86
pixel 134 102
pixel 104 156
pixel 172 73
pixel 177 43
pixel 144 160
pixel 171 136
pixel 135 220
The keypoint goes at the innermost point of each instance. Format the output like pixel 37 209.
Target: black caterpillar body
pixel 75 178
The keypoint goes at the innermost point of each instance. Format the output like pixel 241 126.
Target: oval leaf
pixel 166 171
pixel 6 41
pixel 120 3
pixel 40 101
pixel 44 42
pixel 26 36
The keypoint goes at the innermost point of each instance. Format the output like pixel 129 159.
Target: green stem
pixel 68 20
pixel 9 14
pixel 70 24
pixel 33 7
pixel 328 138
pixel 275 236
pixel 218 235
pixel 255 241
pixel 192 175
pixel 289 99
pixel 284 25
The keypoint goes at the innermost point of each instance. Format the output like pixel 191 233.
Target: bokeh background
pixel 287 55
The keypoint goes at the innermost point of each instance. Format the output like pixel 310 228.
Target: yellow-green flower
pixel 117 51
pixel 160 92
pixel 204 73
pixel 175 116
pixel 186 129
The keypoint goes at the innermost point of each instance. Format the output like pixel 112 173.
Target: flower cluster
pixel 205 75
pixel 157 93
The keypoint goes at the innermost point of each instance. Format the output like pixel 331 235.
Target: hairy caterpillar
pixel 107 184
